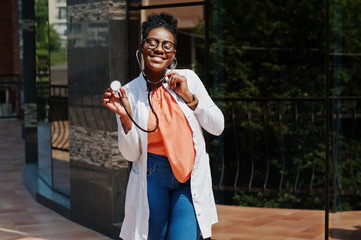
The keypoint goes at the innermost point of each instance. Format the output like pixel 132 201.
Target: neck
pixel 153 77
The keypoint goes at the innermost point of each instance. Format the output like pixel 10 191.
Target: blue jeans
pixel 172 214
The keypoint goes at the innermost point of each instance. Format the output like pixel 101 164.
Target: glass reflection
pixel 345 62
pixel 267 72
pixel 42 90
pixel 84 34
pixel 59 97
pixel 157 2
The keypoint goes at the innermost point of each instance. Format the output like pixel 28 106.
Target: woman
pixel 169 193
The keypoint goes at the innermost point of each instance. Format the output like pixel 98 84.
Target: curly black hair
pixel 165 20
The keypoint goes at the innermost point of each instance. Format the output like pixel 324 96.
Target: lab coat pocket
pixel 135 169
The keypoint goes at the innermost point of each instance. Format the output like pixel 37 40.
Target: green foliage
pixel 54 39
pixel 345 23
pixel 57 53
pixel 276 49
pixel 58 57
pixel 42 40
pixel 278 200
pixel 265 48
pixel 42 58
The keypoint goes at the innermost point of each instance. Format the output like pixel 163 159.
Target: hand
pixel 112 101
pixel 179 85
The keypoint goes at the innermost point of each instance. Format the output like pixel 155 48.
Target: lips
pixel 157 59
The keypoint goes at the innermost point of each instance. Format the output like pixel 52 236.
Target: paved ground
pixel 23 218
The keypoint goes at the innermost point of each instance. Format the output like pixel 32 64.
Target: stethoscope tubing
pixel 135 123
pixel 149 93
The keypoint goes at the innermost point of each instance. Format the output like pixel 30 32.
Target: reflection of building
pixel 57 18
pixel 9 60
pixel 88 34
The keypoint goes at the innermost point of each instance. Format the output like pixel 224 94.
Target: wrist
pixel 189 97
pixel 193 104
pixel 126 124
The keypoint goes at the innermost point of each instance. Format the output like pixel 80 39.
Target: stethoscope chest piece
pixel 115 85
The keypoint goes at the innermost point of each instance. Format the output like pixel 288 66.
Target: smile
pixel 157 58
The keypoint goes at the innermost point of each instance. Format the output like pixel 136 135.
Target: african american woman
pixel 169 193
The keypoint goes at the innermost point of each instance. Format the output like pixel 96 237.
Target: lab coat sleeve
pixel 128 143
pixel 208 114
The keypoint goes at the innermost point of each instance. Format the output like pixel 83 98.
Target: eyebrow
pixel 159 40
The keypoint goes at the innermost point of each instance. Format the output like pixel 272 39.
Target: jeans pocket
pixel 151 169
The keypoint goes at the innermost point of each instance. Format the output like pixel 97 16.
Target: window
pixel 62 13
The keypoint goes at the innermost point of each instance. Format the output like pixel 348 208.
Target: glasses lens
pixel 168 46
pixel 152 43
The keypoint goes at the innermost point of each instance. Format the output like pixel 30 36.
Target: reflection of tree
pixel 42 39
pixel 272 48
pixel 57 53
pixel 276 49
pixel 54 39
pixel 42 58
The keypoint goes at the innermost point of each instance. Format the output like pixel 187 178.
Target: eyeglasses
pixel 152 43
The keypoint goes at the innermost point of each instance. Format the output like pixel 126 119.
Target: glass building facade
pixel 284 73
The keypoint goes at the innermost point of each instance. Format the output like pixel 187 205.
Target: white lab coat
pixel 133 146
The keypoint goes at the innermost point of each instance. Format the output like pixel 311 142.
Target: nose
pixel 159 48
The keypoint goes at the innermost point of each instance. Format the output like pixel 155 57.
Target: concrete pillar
pixel 28 81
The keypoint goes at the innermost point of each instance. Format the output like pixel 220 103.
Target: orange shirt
pixel 174 136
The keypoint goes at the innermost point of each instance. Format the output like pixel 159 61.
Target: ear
pixel 141 47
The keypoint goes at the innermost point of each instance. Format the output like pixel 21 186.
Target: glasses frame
pixel 158 41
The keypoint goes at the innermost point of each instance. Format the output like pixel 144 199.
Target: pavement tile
pixel 316 228
pixel 78 235
pixel 257 222
pixel 21 217
pixel 16 216
pixel 296 234
pixel 9 233
pixel 42 228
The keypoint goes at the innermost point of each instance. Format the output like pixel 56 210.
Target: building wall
pixel 9 59
pixel 9 38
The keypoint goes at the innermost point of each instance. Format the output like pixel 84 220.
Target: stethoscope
pixel 115 86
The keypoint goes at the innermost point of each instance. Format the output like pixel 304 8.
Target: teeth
pixel 158 58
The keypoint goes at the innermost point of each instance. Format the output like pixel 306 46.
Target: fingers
pixel 171 74
pixel 107 97
pixel 123 94
pixel 176 80
pixel 111 99
pixel 107 94
pixel 172 79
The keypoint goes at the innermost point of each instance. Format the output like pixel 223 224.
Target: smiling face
pixel 157 60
